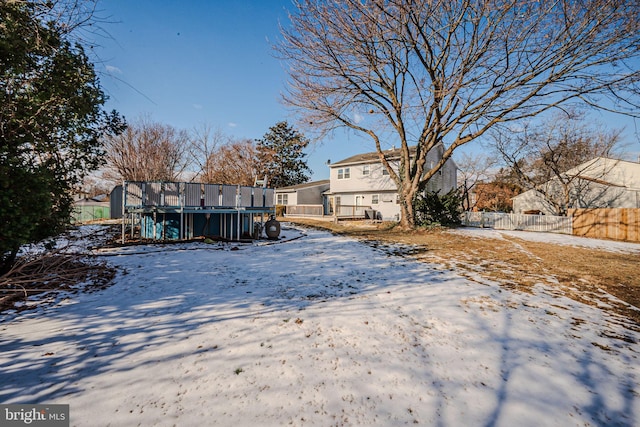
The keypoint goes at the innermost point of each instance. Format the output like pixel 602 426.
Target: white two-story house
pixel 361 186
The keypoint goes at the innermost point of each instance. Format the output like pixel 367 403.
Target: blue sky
pixel 195 62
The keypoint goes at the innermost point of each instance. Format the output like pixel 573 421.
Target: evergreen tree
pixel 433 209
pixel 281 156
pixel 51 123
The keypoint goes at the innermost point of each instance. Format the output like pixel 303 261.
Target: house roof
pixel 605 171
pixel 372 157
pixel 304 185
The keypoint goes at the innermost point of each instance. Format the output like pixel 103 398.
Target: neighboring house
pixel 598 183
pixel 309 193
pixel 86 209
pixel 361 184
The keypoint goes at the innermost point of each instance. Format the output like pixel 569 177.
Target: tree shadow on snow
pixel 174 297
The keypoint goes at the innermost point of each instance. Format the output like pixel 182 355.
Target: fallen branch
pixel 61 269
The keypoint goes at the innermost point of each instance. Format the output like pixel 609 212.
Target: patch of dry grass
pixel 583 274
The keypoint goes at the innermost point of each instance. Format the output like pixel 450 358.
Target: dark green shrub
pixel 431 208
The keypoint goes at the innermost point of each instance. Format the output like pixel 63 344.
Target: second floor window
pixel 365 170
pixel 344 173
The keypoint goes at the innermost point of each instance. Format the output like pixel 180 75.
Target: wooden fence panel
pixel 618 224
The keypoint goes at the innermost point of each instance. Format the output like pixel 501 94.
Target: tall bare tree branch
pixel 539 157
pixel 433 72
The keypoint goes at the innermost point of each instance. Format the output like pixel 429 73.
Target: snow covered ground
pixel 317 330
pixel 555 238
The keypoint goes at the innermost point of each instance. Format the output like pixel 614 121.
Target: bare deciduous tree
pixel 446 71
pixel 473 169
pixel 146 151
pixel 539 156
pixel 205 140
pixel 232 163
pixel 495 195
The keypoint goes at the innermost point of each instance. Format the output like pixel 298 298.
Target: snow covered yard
pixel 320 330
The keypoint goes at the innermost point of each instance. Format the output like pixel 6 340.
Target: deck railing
pixel 340 211
pixel 351 211
pixel 304 210
pixel 139 194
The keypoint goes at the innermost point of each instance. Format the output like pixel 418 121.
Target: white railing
pixel 304 210
pixel 341 211
pixel 510 221
pixel 351 211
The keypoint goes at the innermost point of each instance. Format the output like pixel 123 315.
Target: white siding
pixel 374 181
pixel 368 179
pixel 592 192
pixel 444 180
pixel 292 199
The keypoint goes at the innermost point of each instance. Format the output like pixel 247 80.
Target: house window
pixel 283 199
pixel 366 170
pixel 375 199
pixel 344 173
pixel 385 171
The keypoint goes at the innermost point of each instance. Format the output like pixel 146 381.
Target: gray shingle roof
pixel 370 157
pixel 305 185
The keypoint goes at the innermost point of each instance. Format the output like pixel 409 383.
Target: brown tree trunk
pixel 407 214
